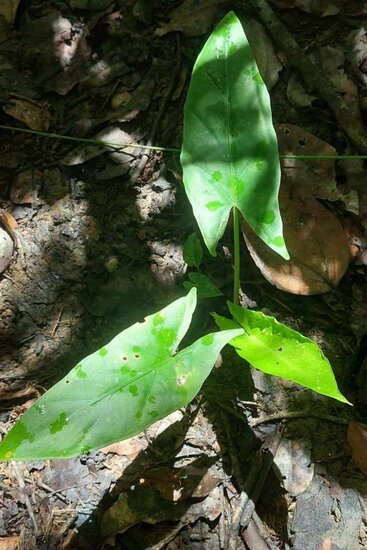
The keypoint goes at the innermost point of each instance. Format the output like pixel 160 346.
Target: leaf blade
pixel 229 154
pixel 119 390
pixel 278 350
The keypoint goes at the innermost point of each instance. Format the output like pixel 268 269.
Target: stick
pixel 312 75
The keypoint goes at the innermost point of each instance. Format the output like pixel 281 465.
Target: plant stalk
pixel 164 149
pixel 236 253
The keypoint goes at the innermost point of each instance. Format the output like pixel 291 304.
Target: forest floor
pixel 92 241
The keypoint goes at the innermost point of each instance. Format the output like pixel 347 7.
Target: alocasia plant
pixel 230 163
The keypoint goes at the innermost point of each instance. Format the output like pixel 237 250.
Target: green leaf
pixel 193 251
pixel 119 390
pixel 205 287
pixel 276 349
pixel 230 153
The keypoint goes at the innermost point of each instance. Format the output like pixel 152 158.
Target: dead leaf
pixel 322 8
pixel 24 189
pixel 7 393
pixel 192 17
pixel 8 9
pixel 312 177
pixel 6 249
pixel 35 115
pixel 332 62
pixel 296 93
pixel 293 460
pixel 10 543
pixel 111 135
pixel 130 448
pixel 316 243
pixel 263 48
pixel 357 439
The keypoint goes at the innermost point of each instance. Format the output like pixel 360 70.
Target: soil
pixel 97 237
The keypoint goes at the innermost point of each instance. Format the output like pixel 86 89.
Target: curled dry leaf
pixel 318 249
pixel 357 439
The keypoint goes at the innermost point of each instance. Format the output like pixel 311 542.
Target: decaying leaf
pixel 296 93
pixel 332 61
pixel 35 115
pixel 318 249
pixel 6 249
pixel 313 177
pixel 110 135
pixel 264 52
pixel 321 8
pixel 192 17
pixel 357 439
pixel 293 460
pixel 24 189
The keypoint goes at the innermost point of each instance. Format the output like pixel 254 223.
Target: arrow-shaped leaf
pixel 276 349
pixel 230 154
pixel 119 390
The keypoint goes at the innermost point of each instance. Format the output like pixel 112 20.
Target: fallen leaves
pixel 6 249
pixel 35 115
pixel 193 18
pixel 318 248
pixel 357 439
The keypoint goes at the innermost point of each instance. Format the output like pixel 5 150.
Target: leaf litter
pixel 66 299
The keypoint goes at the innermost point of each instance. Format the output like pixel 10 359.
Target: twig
pixel 312 75
pixel 291 415
pixel 56 325
pixel 255 483
pixel 27 501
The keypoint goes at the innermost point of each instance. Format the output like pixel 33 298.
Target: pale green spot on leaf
pixel 257 78
pixel 103 352
pixel 59 423
pixel 214 205
pixel 79 372
pixel 268 217
pixel 207 340
pixel 133 389
pixel 217 176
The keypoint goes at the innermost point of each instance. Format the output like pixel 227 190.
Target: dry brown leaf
pixel 24 189
pixel 8 394
pixel 130 448
pixel 264 51
pixel 35 115
pixel 10 543
pixel 316 243
pixel 322 8
pixel 296 93
pixel 312 177
pixel 6 249
pixel 357 439
pixel 315 177
pixel 192 17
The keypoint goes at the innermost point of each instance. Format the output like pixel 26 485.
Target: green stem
pixel 166 149
pixel 90 141
pixel 236 249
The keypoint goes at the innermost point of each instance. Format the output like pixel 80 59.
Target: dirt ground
pixel 92 241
